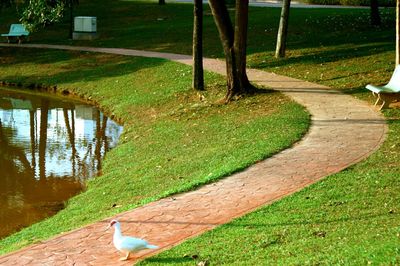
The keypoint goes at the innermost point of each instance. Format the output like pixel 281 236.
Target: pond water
pixel 48 147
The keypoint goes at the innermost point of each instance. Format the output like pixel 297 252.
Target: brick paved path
pixel 343 131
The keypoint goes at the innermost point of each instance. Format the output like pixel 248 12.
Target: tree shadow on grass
pixel 333 54
pixel 313 222
pixel 170 260
pixel 242 223
pixel 15 55
pixel 72 66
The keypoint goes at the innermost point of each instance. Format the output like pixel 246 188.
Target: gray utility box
pixel 85 28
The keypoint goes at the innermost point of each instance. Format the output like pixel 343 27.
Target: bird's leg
pixel 127 256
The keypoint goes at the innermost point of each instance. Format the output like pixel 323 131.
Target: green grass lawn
pixel 351 218
pixel 172 142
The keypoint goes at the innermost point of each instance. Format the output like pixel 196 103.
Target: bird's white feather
pixel 131 244
pixel 128 243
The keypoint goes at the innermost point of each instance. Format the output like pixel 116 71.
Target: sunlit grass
pixel 351 218
pixel 172 141
pixel 347 219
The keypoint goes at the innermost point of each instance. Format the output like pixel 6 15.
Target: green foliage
pixel 39 13
pixel 351 2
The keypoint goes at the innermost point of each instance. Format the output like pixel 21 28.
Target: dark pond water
pixel 48 147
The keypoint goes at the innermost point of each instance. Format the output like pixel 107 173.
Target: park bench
pixel 17 32
pixel 387 93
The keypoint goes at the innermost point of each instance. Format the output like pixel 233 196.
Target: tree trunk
pixel 71 18
pixel 43 139
pixel 240 43
pixel 375 17
pixel 397 32
pixel 32 115
pixel 198 73
pixel 71 137
pixel 161 2
pixel 97 150
pixel 283 28
pixel 234 45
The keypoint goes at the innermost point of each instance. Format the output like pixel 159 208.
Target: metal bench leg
pixel 377 98
pixel 384 105
pixel 388 98
pixel 382 97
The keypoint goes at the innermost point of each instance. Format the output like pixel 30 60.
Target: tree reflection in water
pixel 48 148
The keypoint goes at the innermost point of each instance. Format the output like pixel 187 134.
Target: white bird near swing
pixel 127 244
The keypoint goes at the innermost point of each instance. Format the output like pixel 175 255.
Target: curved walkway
pixel 344 131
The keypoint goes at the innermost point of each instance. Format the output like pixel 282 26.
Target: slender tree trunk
pixel 161 2
pixel 397 32
pixel 71 18
pixel 375 17
pixel 198 73
pixel 71 136
pixel 43 139
pixel 103 133
pixel 283 28
pixel 33 137
pixel 97 150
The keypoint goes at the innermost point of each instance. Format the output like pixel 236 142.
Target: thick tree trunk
pixel 397 32
pixel 375 17
pixel 232 78
pixel 282 32
pixel 198 73
pixel 240 43
pixel 234 45
pixel 226 34
pixel 161 2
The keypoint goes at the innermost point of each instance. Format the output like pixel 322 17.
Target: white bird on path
pixel 127 244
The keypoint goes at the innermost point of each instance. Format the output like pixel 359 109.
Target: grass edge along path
pixel 329 147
